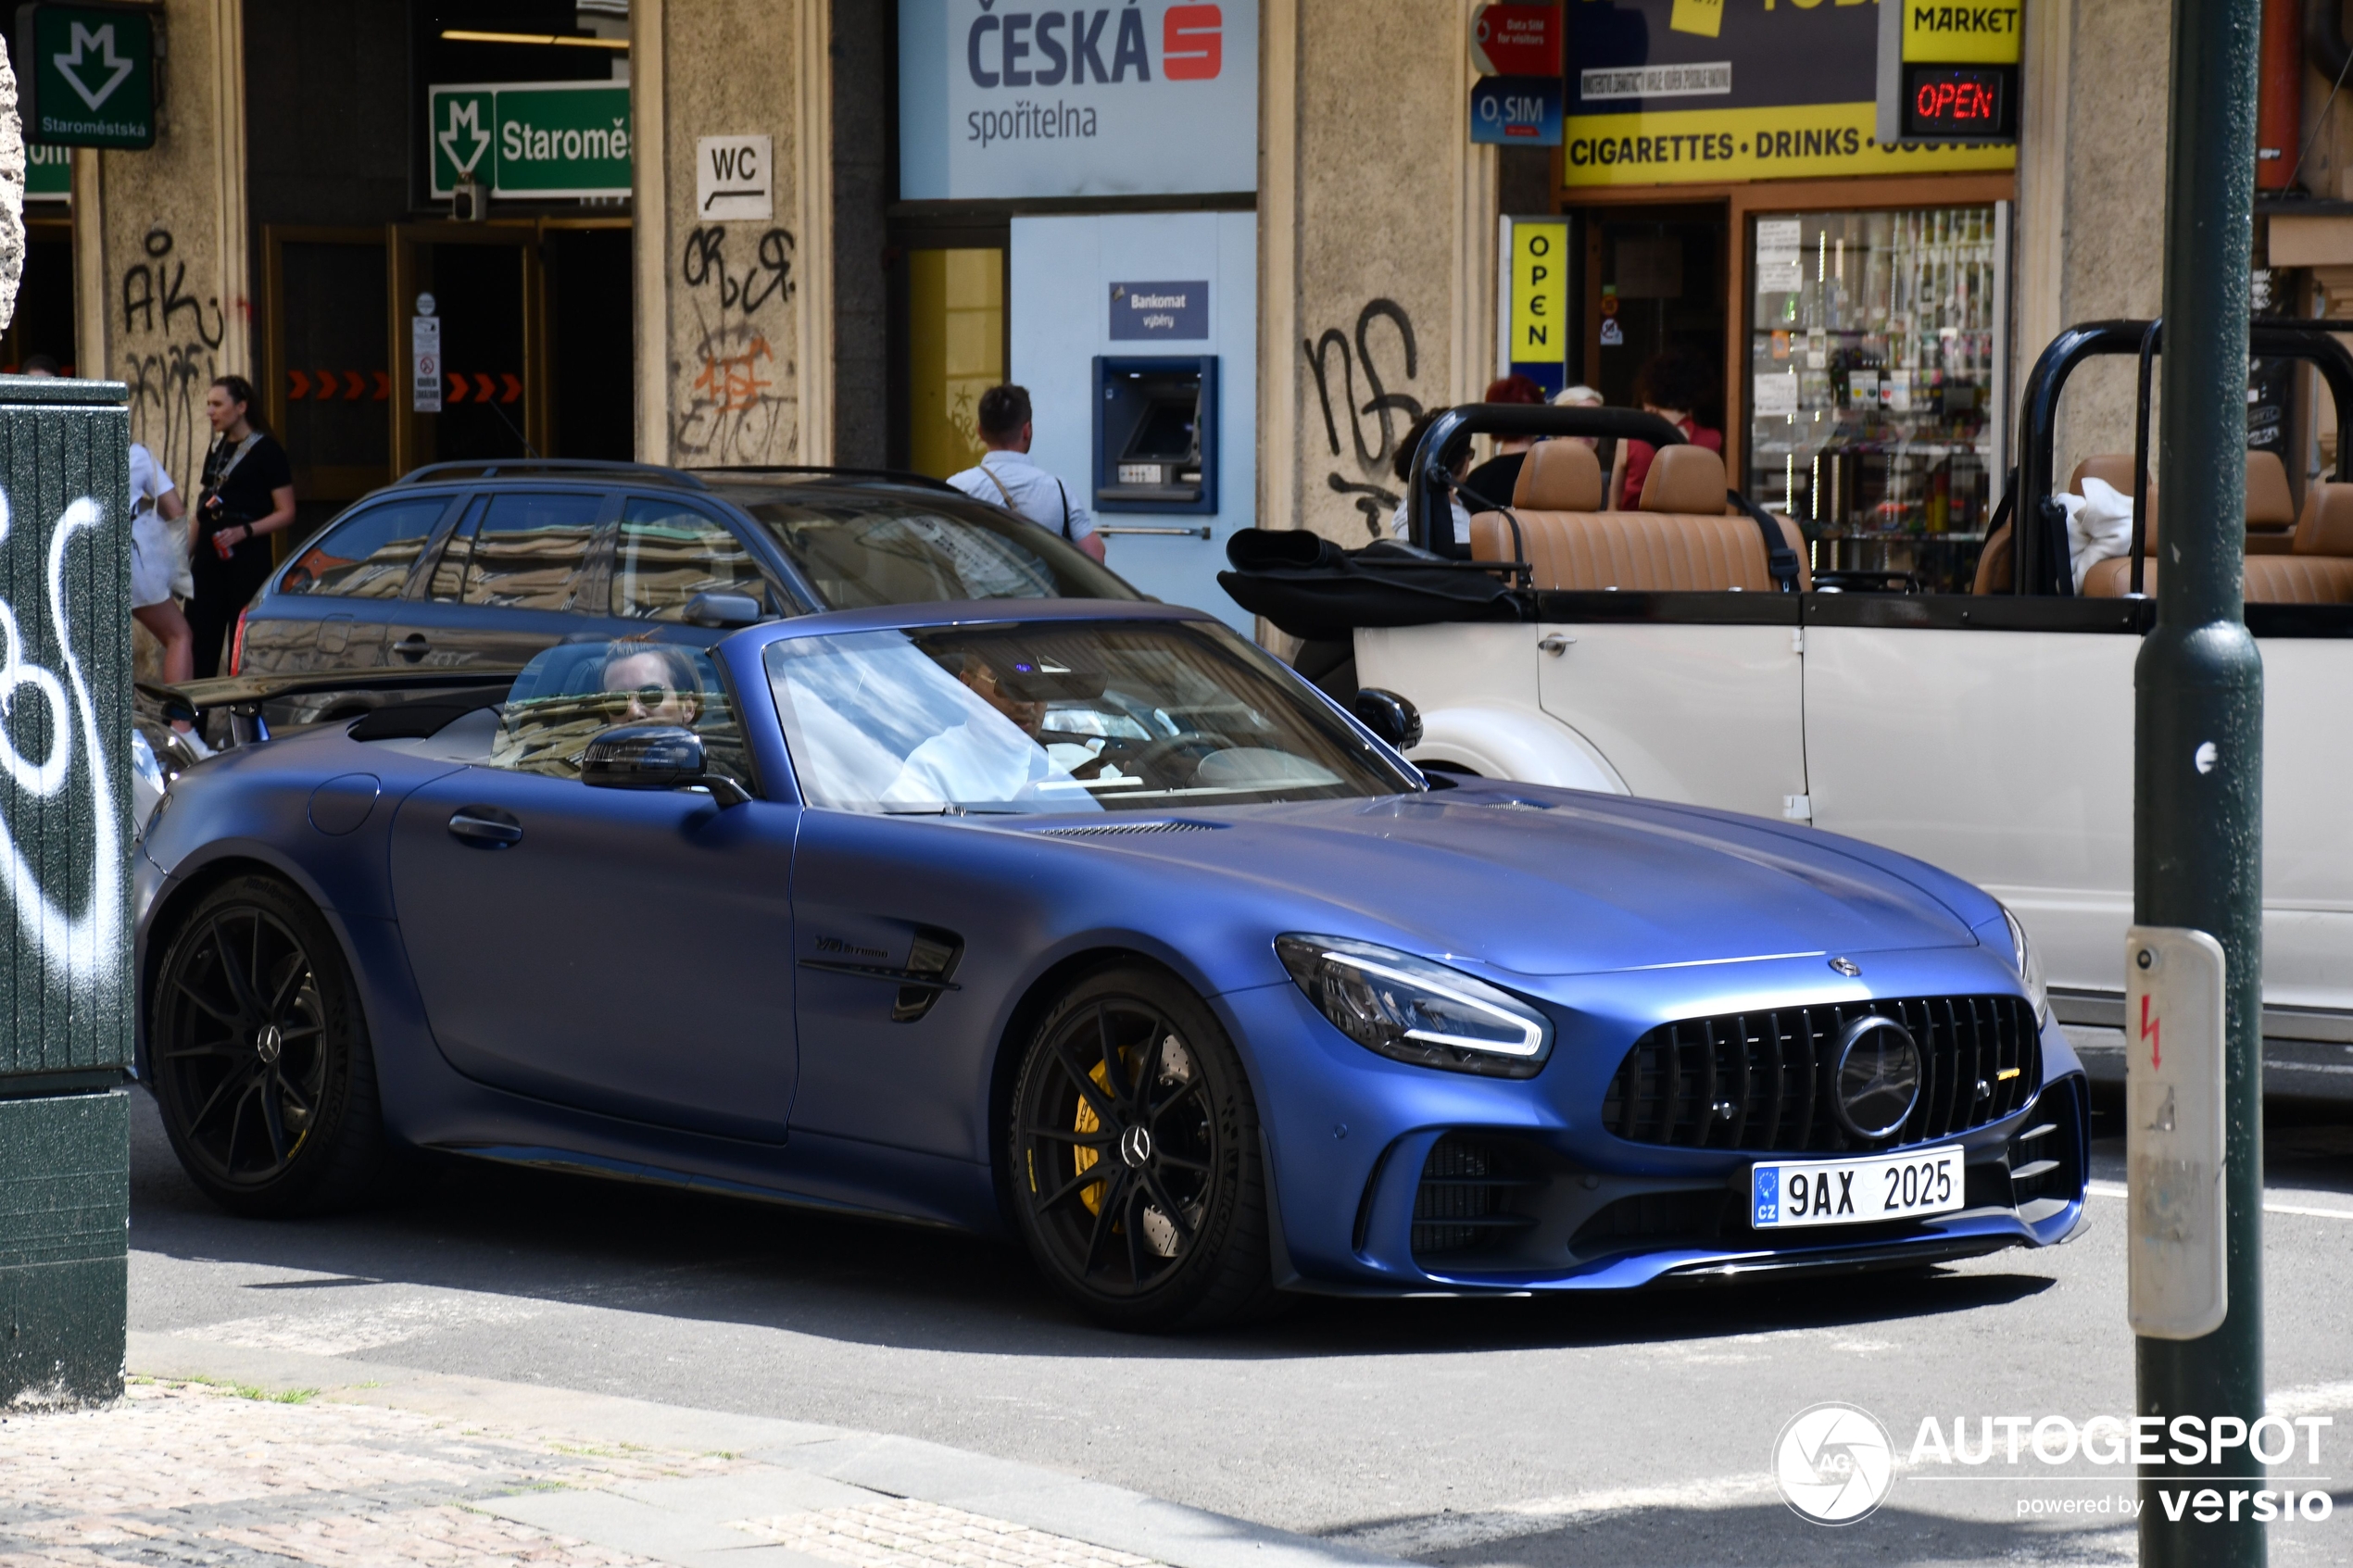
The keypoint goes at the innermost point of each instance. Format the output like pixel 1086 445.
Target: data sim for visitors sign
pixel 92 78
pixel 531 139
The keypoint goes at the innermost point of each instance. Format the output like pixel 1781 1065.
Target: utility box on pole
pixel 67 999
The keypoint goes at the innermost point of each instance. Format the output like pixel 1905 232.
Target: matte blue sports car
pixel 1087 922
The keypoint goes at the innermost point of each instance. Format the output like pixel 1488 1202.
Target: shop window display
pixel 1872 411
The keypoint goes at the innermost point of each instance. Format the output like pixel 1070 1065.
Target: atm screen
pixel 1166 431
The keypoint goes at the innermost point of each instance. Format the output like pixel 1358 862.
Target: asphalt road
pixel 1624 1431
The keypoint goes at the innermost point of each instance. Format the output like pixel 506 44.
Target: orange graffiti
pixel 733 383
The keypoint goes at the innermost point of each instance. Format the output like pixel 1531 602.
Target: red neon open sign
pixel 1957 101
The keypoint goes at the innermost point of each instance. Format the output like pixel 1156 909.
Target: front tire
pixel 1134 1157
pixel 260 1057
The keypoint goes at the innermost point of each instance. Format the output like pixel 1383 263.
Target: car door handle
pixel 412 647
pixel 484 827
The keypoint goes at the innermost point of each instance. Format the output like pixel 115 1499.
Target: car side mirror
pixel 726 610
pixel 654 757
pixel 1390 716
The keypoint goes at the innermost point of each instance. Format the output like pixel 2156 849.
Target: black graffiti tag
pixel 771 275
pixel 1374 501
pixel 1383 402
pixel 167 378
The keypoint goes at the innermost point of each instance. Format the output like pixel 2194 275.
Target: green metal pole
pixel 2198 826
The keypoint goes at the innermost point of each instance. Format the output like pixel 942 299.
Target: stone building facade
pixel 286 213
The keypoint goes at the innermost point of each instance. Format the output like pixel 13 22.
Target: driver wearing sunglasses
pixel 653 685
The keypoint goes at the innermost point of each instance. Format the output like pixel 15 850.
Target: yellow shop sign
pixel 1699 146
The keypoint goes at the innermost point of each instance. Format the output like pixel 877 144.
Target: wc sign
pixel 734 179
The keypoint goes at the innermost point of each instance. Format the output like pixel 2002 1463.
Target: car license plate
pixel 1790 1194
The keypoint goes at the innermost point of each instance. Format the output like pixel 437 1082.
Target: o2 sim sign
pixel 1050 48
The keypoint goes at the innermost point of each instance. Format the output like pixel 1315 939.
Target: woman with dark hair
pixel 1678 385
pixel 1402 465
pixel 247 494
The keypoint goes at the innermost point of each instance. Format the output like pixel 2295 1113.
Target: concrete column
pixel 734 316
pixel 1377 240
pixel 161 253
pixel 2091 213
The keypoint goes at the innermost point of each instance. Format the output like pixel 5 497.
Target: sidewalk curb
pixel 1024 1494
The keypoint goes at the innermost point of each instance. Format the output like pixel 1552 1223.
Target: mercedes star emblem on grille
pixel 1876 1069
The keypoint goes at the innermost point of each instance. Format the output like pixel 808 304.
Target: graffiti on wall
pixel 171 354
pixel 1378 424
pixel 734 401
pixel 73 947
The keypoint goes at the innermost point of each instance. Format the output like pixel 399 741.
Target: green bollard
pixel 2197 824
pixel 65 992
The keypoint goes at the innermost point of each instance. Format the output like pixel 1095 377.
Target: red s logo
pixel 1192 43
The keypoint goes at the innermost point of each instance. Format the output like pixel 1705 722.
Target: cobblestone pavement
pixel 195 1473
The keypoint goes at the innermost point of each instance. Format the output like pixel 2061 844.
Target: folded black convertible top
pixel 1313 589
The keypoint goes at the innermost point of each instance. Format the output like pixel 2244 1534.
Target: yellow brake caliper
pixel 1092 1195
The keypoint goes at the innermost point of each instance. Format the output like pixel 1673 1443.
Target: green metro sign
pixel 531 139
pixel 88 73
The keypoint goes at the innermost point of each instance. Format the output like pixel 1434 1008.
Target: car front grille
pixel 1764 1081
pixel 1465 1202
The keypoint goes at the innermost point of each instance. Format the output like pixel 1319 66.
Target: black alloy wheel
pixel 260 1056
pixel 1134 1157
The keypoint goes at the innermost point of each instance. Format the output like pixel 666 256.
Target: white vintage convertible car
pixel 1681 650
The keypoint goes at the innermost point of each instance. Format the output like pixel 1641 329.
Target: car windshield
pixel 865 551
pixel 1058 717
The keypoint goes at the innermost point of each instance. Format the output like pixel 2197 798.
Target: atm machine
pixel 1156 438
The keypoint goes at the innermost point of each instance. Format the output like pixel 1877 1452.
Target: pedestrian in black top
pixel 247 494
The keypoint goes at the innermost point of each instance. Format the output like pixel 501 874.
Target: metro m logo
pixel 1192 43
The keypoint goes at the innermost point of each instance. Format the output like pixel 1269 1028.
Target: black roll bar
pixel 1449 433
pixel 2038 556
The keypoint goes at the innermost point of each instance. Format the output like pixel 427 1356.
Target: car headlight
pixel 2030 966
pixel 1416 1010
pixel 144 763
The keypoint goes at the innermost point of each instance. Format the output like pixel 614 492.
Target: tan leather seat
pixel 2271 505
pixel 2317 570
pixel 2272 529
pixel 1558 476
pixel 1686 538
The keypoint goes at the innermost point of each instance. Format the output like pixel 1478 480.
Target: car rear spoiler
pixel 244 695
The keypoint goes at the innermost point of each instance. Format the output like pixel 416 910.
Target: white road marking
pixel 2118 1189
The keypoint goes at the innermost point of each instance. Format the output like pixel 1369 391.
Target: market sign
pixel 1673 92
pixel 536 140
pixel 48 173
pixel 1948 73
pixel 92 80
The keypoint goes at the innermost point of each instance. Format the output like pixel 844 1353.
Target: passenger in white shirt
pixel 1006 476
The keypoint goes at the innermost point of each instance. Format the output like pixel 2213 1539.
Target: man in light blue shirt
pixel 1006 476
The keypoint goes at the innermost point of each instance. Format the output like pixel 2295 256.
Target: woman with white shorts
pixel 159 563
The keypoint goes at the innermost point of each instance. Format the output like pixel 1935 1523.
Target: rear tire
pixel 1130 1079
pixel 260 1058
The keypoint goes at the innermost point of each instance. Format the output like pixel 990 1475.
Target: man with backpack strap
pixel 1006 476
